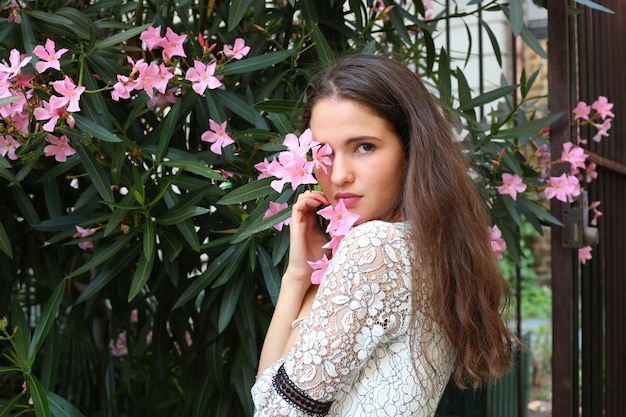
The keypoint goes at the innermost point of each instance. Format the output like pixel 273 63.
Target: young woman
pixel 413 294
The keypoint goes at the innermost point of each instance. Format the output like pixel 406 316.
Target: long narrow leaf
pixel 236 11
pixel 103 254
pixel 120 37
pixel 46 320
pixel 248 192
pixel 38 394
pixel 142 273
pixel 108 272
pixel 5 242
pixel 196 167
pixel 488 97
pixel 94 129
pixel 256 63
pixel 60 407
pixel 270 274
pixel 181 214
pixel 96 173
pixel 324 53
pixel 229 302
pixel 528 129
pixel 166 134
pixel 594 5
pixel 516 16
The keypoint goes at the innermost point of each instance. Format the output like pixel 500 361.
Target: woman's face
pixel 368 169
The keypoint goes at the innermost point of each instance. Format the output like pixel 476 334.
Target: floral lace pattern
pixel 353 349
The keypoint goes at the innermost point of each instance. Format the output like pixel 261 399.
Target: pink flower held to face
pixel 367 158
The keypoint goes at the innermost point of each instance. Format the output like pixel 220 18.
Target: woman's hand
pixel 305 238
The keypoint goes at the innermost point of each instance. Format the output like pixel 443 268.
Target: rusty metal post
pixel 564 356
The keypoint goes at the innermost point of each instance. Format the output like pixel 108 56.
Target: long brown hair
pixel 448 220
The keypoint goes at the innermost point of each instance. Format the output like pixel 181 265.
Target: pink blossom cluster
pixel 25 113
pixel 340 221
pixel 293 165
pixel 567 186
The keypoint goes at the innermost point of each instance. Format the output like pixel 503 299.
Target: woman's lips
pixel 349 200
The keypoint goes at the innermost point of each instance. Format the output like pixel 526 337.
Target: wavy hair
pixel 448 219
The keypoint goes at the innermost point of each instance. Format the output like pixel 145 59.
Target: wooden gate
pixel 587 59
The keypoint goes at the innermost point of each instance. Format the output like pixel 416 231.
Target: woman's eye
pixel 365 147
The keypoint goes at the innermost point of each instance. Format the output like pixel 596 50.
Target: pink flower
pixel 122 88
pixel 276 208
pixel 173 45
pixel 134 316
pixel 82 233
pixel 581 111
pixel 603 130
pixel 590 172
pixel 291 168
pixel 120 347
pixel 341 220
pixel 217 136
pixel 603 107
pixel 575 155
pixel 262 167
pixel 8 145
pixel 71 94
pixel 319 269
pixel 584 254
pixel 498 245
pixel 563 188
pixel 152 38
pixel 14 14
pixel 202 76
pixel 512 184
pixel 300 145
pixel 322 156
pixel 162 100
pixel 593 207
pixel 51 111
pixel 154 77
pixel 49 57
pixel 238 51
pixel 59 148
pixel 17 61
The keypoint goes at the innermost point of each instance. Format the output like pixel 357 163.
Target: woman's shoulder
pixel 380 230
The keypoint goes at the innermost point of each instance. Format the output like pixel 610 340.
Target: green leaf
pixel 324 53
pixel 278 106
pixel 258 62
pixel 249 191
pixel 148 237
pixel 5 242
pixel 46 320
pixel 241 108
pixel 171 120
pixel 103 254
pixel 516 16
pixel 538 211
pixel 594 5
pixel 488 97
pixel 197 167
pixel 270 274
pixel 229 302
pixel 108 272
pixel 28 36
pixel 120 37
pixel 236 11
pixel 60 407
pixel 142 273
pixel 528 129
pixel 208 275
pixel 181 214
pixel 6 100
pixel 96 173
pixel 38 394
pixel 94 129
pixel 81 24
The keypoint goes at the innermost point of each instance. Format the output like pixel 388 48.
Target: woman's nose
pixel 342 170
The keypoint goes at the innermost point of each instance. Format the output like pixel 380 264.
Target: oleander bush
pixel 138 267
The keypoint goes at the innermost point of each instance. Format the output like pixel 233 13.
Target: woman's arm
pixel 296 291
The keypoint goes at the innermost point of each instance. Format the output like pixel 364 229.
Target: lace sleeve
pixel 363 302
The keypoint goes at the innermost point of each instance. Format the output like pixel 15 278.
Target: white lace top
pixel 352 356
